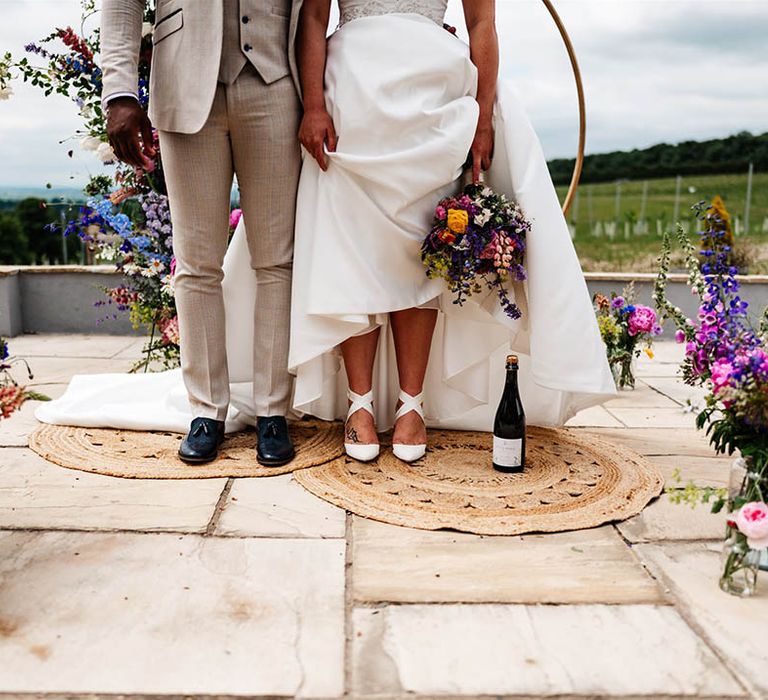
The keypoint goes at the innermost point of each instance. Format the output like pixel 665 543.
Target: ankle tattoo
pixel 352 435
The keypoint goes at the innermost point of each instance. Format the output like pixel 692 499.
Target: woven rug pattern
pixel 153 455
pixel 572 481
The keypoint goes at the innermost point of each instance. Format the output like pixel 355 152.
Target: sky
pixel 654 71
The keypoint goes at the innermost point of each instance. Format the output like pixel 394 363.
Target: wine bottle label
pixel 507 453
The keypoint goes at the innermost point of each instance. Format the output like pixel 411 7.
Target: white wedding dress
pixel 401 91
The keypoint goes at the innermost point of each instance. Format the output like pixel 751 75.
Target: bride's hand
pixel 482 149
pixel 316 131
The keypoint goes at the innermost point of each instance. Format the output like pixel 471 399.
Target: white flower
pixel 486 191
pixel 105 153
pixel 146 29
pixel 155 267
pixel 90 143
pixel 167 285
pixel 6 92
pixel 483 217
pixel 131 269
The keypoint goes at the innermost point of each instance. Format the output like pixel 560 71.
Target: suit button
pixel 246 19
pixel 247 47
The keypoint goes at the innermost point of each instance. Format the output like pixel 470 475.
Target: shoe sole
pixel 275 462
pixel 200 460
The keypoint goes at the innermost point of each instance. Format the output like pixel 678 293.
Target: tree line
pixel 714 157
pixel 25 238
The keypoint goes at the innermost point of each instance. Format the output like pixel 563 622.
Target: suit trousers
pixel 250 132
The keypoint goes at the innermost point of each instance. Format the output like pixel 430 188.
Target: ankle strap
pixel 410 403
pixel 360 401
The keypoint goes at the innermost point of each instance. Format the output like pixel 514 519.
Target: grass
pixel 596 211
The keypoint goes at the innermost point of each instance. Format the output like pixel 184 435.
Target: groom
pixel 224 100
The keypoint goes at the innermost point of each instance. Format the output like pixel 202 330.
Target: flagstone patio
pixel 255 587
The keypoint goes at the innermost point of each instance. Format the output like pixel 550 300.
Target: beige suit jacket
pixel 187 42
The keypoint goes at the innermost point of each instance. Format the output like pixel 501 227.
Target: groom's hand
pixel 130 132
pixel 316 131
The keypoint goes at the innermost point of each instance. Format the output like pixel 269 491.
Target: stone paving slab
pixel 640 397
pixel 95 345
pixel 37 494
pixel 594 416
pixel 15 430
pixel 398 564
pixel 159 614
pixel 675 389
pixel 586 650
pixel 653 368
pixel 736 627
pixel 659 441
pixel 654 417
pixel 58 370
pixel 278 507
pixel 702 471
pixel 664 520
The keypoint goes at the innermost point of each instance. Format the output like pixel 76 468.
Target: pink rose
pixel 752 521
pixel 642 320
pixel 234 218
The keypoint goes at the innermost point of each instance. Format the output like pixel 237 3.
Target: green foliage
pixel 729 155
pixel 13 243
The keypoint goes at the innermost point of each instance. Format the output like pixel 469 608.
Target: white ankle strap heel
pixel 409 453
pixel 361 452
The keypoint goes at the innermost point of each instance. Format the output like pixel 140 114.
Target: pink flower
pixel 752 521
pixel 170 331
pixel 11 398
pixel 234 218
pixel 680 336
pixel 642 320
pixel 721 374
pixel 173 266
pixel 441 213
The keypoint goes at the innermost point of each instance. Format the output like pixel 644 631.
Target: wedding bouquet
pixel 728 356
pixel 624 326
pixel 477 238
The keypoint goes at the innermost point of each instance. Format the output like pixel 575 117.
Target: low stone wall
pixel 61 299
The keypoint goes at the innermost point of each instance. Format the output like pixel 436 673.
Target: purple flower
pixel 680 336
pixel 617 302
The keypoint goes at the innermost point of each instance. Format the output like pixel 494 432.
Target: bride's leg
pixel 412 331
pixel 359 353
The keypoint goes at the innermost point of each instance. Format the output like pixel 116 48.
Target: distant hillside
pixel 717 156
pixel 49 194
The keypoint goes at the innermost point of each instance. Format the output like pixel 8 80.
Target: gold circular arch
pixel 579 165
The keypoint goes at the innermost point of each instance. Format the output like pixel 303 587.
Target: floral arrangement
pixel 479 235
pixel 728 356
pixel 625 327
pixel 126 219
pixel 12 396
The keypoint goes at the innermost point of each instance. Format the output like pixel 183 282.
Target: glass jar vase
pixel 740 561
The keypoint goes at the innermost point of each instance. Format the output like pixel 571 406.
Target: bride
pixel 393 105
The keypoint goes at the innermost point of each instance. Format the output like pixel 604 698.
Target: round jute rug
pixel 152 455
pixel 572 481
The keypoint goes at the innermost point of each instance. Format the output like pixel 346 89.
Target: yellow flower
pixel 458 220
pixel 649 352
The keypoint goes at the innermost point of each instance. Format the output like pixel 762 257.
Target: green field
pixel 609 237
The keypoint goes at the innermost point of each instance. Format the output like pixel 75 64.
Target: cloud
pixel 654 70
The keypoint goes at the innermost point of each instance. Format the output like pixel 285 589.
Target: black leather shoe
pixel 274 447
pixel 202 443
